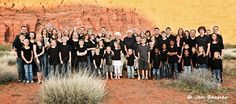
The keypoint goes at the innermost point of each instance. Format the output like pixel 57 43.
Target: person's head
pixel 193 33
pixel 86 37
pixel 59 35
pixel 82 30
pixel 97 50
pixel 163 34
pixel 103 30
pixel 24 29
pixel 108 35
pixel 143 41
pixel 90 31
pixel 215 29
pixel 216 55
pixel 117 35
pixel 148 33
pixel 142 34
pixel 186 52
pixel 208 32
pixel 135 30
pixel 186 46
pixel 214 37
pixel 39 37
pixel 138 39
pixel 130 51
pixel 153 38
pixel 156 30
pixel 187 33
pixel 201 49
pixel 53 42
pixel 164 46
pixel 92 37
pixel 26 42
pixel 32 35
pixel 75 35
pixel 22 37
pixel 172 42
pixel 168 30
pixel 100 43
pixel 81 42
pixel 180 31
pixel 44 32
pixel 194 50
pixel 157 51
pixel 54 32
pixel 201 30
pixel 64 39
pixel 108 49
pixel 129 33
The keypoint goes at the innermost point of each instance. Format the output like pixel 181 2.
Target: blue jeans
pixel 187 69
pixel 28 72
pixel 165 69
pixel 216 73
pixel 20 69
pixel 202 67
pixel 174 69
pixel 156 73
pixel 45 65
pixel 130 70
pixel 54 70
pixel 65 69
pixel 82 66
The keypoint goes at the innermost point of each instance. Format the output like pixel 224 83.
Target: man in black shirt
pixel 203 40
pixel 129 40
pixel 169 35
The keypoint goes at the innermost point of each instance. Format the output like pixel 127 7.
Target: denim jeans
pixel 174 69
pixel 130 70
pixel 20 68
pixel 164 69
pixel 216 73
pixel 45 65
pixel 54 70
pixel 65 69
pixel 202 67
pixel 89 65
pixel 187 69
pixel 82 66
pixel 40 64
pixel 156 73
pixel 28 72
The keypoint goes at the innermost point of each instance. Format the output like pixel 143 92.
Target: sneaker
pixel 31 81
pixel 146 78
pixel 138 77
pixel 143 77
pixel 24 81
pixel 27 81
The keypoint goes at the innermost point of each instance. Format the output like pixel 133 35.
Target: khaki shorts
pixel 108 68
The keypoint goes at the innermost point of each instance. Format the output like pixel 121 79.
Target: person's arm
pixel 32 55
pixel 182 63
pixel 69 56
pixel 191 62
pixel 208 49
pixel 149 57
pixel 60 58
pixel 94 63
pixel 43 50
pixel 23 57
pixel 101 63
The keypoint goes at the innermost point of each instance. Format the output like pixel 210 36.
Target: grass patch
pixel 8 71
pixel 76 89
pixel 228 46
pixel 5 47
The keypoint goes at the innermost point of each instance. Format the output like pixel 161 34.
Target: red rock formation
pixel 67 17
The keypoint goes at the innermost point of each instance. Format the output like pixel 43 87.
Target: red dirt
pixel 121 91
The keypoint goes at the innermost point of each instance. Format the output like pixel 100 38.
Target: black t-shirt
pixel 169 38
pixel 187 60
pixel 108 58
pixel 54 56
pixel 194 59
pixel 73 45
pixel 121 43
pixel 192 42
pixel 160 42
pixel 130 60
pixel 39 48
pixel 82 49
pixel 90 44
pixel 216 47
pixel 129 42
pixel 102 49
pixel 164 55
pixel 136 48
pixel 26 53
pixel 203 41
pixel 201 59
pixel 116 54
pixel 65 50
pixel 174 58
pixel 97 59
pixel 156 59
pixel 217 64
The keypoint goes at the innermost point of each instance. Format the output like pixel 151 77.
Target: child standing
pixel 54 60
pixel 130 63
pixel 164 67
pixel 201 59
pixel 187 62
pixel 117 60
pixel 97 62
pixel 217 66
pixel 27 56
pixel 82 56
pixel 108 68
pixel 173 59
pixel 156 63
pixel 194 57
pixel 65 56
pixel 144 58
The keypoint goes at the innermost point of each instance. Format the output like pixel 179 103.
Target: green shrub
pixel 76 89
pixel 198 82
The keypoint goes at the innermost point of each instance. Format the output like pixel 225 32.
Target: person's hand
pixel 69 61
pixel 61 62
pixel 38 61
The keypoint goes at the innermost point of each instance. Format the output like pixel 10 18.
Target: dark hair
pixel 46 31
pixel 168 28
pixel 148 31
pixel 193 30
pixel 180 29
pixel 156 28
pixel 34 34
pixel 163 32
pixel 201 28
pixel 216 37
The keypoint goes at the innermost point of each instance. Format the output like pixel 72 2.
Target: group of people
pixel 144 54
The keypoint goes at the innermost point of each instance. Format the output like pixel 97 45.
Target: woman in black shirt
pixel 73 45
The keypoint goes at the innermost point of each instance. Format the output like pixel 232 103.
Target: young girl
pixel 194 57
pixel 187 62
pixel 38 52
pixel 117 60
pixel 65 56
pixel 27 56
pixel 156 63
pixel 130 63
pixel 164 67
pixel 97 62
pixel 74 44
pixel 217 66
pixel 107 59
pixel 202 59
pixel 101 47
pixel 53 53
pixel 46 44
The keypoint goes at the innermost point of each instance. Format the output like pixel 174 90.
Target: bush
pixel 76 89
pixel 7 73
pixel 8 59
pixel 199 82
